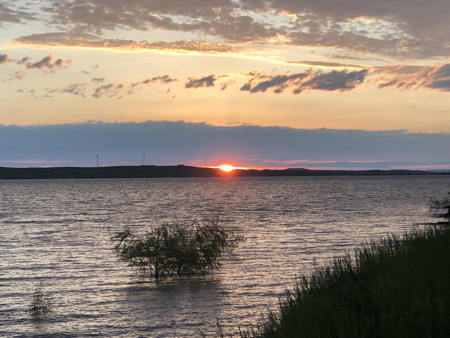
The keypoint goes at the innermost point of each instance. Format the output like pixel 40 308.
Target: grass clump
pixel 399 287
pixel 41 303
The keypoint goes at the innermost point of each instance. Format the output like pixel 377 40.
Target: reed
pixel 41 303
pixel 399 287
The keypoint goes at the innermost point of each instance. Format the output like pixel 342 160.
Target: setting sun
pixel 226 167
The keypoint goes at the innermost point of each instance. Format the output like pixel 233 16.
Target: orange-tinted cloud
pixel 93 41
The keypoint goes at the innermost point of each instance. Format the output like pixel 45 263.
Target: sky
pixel 319 84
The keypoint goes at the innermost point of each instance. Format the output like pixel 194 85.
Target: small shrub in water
pixel 183 248
pixel 437 204
pixel 41 303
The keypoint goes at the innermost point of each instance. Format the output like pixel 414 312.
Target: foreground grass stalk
pixel 397 288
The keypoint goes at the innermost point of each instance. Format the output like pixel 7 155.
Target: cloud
pixel 403 77
pixel 203 82
pixel 77 89
pixel 400 28
pixel 156 79
pixel 326 64
pixel 166 142
pixel 4 58
pixel 28 92
pixel 414 77
pixel 359 165
pixel 335 80
pixel 210 80
pixel 93 41
pixel 98 79
pixel 109 90
pixel 112 90
pixel 213 17
pixel 95 88
pixel 24 60
pixel 135 13
pixel 240 28
pixel 311 80
pixel 348 40
pixel 18 75
pixel 417 29
pixel 224 85
pixel 11 15
pixel 49 63
pixel 162 79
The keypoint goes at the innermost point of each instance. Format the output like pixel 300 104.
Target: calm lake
pixel 55 235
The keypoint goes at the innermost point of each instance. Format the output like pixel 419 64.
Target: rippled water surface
pixel 55 235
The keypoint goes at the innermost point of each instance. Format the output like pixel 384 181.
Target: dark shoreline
pixel 150 171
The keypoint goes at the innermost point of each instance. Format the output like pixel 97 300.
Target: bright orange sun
pixel 226 167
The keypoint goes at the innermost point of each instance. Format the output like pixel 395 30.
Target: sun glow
pixel 226 167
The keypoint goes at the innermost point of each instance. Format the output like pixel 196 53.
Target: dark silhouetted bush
pixel 437 204
pixel 182 248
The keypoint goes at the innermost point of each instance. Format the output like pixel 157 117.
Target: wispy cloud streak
pixel 61 39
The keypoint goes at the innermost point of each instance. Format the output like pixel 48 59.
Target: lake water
pixel 55 235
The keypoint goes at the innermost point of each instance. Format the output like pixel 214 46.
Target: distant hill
pixel 107 172
pixel 184 171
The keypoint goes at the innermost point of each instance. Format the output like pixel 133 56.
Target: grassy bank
pixel 399 287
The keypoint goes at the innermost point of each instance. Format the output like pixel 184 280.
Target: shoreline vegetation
pixel 397 287
pixel 151 171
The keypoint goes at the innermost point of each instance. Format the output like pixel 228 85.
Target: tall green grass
pixel 399 287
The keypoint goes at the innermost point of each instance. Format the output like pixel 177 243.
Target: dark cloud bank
pixel 166 142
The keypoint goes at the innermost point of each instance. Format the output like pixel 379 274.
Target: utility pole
pixel 143 159
pixel 97 161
